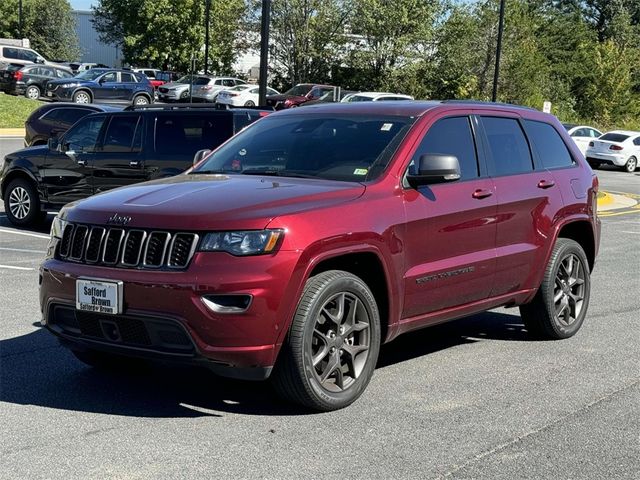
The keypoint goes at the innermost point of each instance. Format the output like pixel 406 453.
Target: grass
pixel 15 110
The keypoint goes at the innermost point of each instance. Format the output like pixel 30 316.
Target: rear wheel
pixel 32 92
pixel 333 343
pixel 140 100
pixel 249 103
pixel 631 164
pixel 21 203
pixel 560 305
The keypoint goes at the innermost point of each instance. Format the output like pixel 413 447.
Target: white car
pixel 242 95
pixel 375 97
pixel 582 135
pixel 619 147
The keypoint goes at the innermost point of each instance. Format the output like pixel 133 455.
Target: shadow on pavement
pixel 35 370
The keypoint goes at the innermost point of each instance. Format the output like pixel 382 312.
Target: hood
pixel 175 85
pixel 29 152
pixel 212 202
pixel 73 80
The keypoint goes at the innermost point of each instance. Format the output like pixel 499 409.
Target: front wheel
pixel 81 97
pixel 332 345
pixel 631 165
pixel 21 203
pixel 560 305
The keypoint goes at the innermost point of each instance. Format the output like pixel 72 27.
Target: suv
pixel 301 93
pixel 20 56
pixel 106 150
pixel 30 80
pixel 300 245
pixel 102 84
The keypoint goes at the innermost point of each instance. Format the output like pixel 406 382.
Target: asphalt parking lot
pixel 475 398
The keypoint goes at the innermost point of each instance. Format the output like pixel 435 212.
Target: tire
pixel 321 383
pixel 184 95
pixel 140 100
pixel 81 97
pixel 249 103
pixel 32 92
pixel 631 165
pixel 21 203
pixel 560 305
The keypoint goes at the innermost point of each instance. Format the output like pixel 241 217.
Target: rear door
pixel 450 227
pixel 528 199
pixel 126 87
pixel 119 159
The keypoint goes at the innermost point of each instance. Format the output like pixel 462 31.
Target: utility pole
pixel 207 16
pixel 20 20
pixel 496 73
pixel 264 51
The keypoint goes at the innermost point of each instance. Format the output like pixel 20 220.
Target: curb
pixel 610 203
pixel 12 132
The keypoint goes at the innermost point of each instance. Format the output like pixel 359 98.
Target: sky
pixel 81 4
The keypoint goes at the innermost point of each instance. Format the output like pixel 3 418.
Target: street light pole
pixel 20 20
pixel 496 73
pixel 264 51
pixel 207 15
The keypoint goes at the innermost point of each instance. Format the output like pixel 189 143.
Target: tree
pixel 169 32
pixel 48 24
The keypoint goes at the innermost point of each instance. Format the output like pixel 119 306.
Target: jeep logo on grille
pixel 116 219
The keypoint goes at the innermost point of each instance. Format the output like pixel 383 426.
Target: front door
pixel 107 87
pixel 450 229
pixel 67 171
pixel 119 159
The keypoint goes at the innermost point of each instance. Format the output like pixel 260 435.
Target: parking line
pixel 636 233
pixel 25 250
pixel 36 235
pixel 11 267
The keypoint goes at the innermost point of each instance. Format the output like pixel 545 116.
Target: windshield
pixel 299 90
pixel 337 147
pixel 90 74
pixel 360 98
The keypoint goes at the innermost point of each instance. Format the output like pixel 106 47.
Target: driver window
pixel 84 135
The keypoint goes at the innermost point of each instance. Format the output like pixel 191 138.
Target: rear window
pixel 508 146
pixel 180 133
pixel 336 147
pixel 614 137
pixel 551 149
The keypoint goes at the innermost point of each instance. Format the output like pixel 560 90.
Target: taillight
pixel 233 94
pixel 615 147
pixel 591 144
pixel 17 75
pixel 207 87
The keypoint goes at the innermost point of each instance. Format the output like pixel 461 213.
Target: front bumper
pixel 59 94
pixel 241 345
pixel 170 95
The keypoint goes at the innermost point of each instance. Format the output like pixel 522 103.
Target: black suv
pixel 112 149
pixel 30 80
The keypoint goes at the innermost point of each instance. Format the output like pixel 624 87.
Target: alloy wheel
pixel 340 342
pixel 33 93
pixel 82 98
pixel 141 100
pixel 631 164
pixel 569 289
pixel 19 203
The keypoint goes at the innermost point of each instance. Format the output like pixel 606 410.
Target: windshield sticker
pixel 386 127
pixel 360 171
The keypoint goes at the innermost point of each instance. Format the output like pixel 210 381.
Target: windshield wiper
pixel 210 172
pixel 277 173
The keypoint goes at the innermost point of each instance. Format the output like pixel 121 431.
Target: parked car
pixel 30 80
pixel 376 97
pixel 178 90
pixel 20 56
pixel 296 96
pixel 315 235
pixel 53 119
pixel 619 147
pixel 81 67
pixel 331 96
pixel 208 92
pixel 102 85
pixel 152 75
pixel 111 149
pixel 242 95
pixel 582 135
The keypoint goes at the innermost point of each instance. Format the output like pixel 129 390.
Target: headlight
pixel 249 242
pixel 67 85
pixel 57 227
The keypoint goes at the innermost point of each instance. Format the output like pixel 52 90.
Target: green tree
pixel 167 33
pixel 48 24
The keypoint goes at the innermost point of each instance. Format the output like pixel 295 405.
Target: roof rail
pixel 189 106
pixel 482 102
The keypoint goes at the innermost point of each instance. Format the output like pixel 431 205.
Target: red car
pixel 306 241
pixel 296 96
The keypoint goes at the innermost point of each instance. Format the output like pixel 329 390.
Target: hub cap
pixel 141 101
pixel 19 203
pixel 568 292
pixel 340 342
pixel 33 93
pixel 82 98
pixel 631 164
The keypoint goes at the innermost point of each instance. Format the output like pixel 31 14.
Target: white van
pixel 19 55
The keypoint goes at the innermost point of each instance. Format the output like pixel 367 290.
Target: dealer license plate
pixel 98 296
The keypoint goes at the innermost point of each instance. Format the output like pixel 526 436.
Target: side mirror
pixel 435 168
pixel 53 143
pixel 200 154
pixel 40 60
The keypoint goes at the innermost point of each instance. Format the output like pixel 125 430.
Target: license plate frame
pixel 104 295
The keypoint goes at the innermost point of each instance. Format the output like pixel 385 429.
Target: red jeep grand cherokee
pixel 304 242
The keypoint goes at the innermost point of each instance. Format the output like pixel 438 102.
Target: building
pixel 93 50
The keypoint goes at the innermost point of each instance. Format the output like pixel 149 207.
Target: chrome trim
pixel 72 227
pixel 104 247
pixel 86 247
pixel 214 307
pixel 164 249
pixel 124 248
pixel 73 241
pixel 194 245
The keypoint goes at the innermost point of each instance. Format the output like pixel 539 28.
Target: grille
pixel 163 90
pixel 127 248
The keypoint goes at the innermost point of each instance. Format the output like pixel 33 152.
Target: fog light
pixel 227 303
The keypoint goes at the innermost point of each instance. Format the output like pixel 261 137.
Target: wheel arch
pixel 143 94
pixel 83 89
pixel 14 174
pixel 581 232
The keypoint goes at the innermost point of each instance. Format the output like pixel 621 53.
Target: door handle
pixel 482 193
pixel 546 183
pixel 81 161
pixel 134 163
